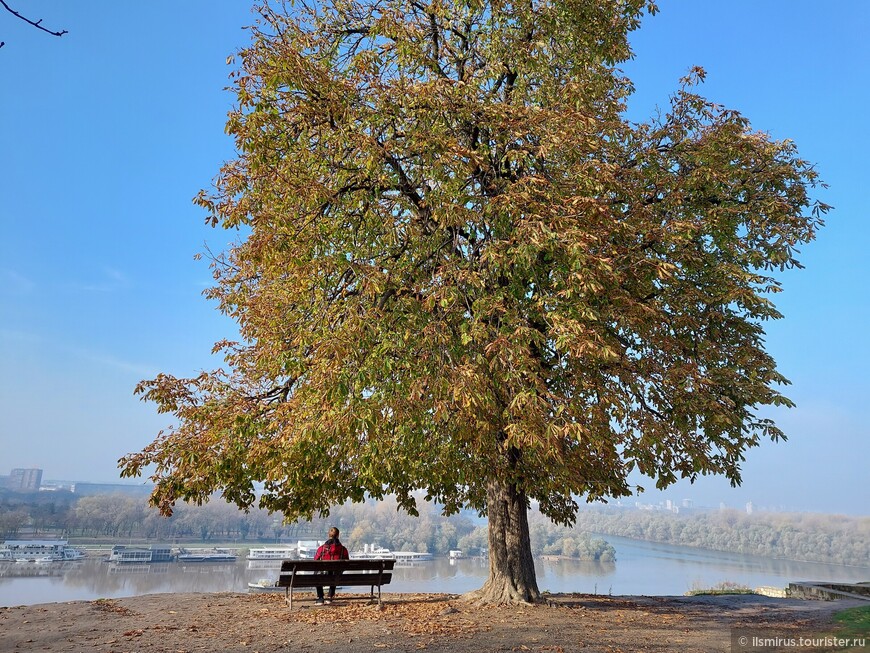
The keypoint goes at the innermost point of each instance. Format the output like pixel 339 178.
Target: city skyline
pixel 107 138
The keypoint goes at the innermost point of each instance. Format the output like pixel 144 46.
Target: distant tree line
pixel 110 517
pixel 812 537
pixel 549 539
pixel 118 516
pixel 796 536
pixel 382 524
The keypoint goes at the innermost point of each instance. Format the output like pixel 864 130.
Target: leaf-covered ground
pixel 230 623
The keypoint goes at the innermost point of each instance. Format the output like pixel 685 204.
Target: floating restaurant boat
pixel 412 556
pixel 305 549
pixel 372 552
pixel 277 553
pixel 140 554
pixel 39 551
pixel 206 555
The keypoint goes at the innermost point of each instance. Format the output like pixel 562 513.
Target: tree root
pixel 501 593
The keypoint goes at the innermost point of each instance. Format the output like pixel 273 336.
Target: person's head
pixel 333 533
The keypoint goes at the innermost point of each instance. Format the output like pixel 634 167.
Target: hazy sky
pixel 108 132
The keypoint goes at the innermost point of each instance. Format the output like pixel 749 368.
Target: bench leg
pixel 289 595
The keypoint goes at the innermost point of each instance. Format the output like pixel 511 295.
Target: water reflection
pixel 641 568
pixel 93 579
pixel 23 569
pixel 562 569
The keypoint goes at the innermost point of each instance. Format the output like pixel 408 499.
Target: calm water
pixel 641 568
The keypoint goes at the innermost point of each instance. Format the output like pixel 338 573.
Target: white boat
pixel 277 553
pixel 264 585
pixel 206 555
pixel 39 551
pixel 372 552
pixel 455 554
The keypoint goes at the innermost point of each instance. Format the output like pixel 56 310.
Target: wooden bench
pixel 346 573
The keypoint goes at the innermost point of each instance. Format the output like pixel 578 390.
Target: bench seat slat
pixel 346 580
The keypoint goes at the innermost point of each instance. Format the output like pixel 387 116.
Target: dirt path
pixel 243 623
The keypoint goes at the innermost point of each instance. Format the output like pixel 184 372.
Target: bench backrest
pixel 288 566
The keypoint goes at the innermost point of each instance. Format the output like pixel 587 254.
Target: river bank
pixel 641 568
pixel 439 623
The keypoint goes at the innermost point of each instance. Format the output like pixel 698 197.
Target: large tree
pixel 463 270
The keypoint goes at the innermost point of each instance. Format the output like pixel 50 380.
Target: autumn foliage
pixel 464 270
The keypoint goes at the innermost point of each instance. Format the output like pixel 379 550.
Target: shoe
pixel 318 602
pixel 328 601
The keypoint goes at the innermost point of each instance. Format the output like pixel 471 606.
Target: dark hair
pixel 333 533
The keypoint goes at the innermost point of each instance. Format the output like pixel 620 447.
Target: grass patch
pixel 854 622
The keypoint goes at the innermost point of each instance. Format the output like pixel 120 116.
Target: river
pixel 645 568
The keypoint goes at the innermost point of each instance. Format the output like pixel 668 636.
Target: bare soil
pixel 438 623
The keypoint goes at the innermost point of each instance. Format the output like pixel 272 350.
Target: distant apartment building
pixel 24 480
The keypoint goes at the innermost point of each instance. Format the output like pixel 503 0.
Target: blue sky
pixel 108 132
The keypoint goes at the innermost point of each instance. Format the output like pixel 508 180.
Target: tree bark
pixel 511 567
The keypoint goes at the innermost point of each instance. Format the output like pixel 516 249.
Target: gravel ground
pixel 251 623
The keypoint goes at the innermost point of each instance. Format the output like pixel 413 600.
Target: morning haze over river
pixel 641 568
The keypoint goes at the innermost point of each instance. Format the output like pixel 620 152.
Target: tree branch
pixel 37 24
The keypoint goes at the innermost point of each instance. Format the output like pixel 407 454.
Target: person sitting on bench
pixel 332 549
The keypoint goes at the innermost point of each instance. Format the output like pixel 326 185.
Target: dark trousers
pixel 331 594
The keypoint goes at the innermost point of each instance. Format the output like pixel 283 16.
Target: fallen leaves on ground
pixel 108 605
pixel 420 615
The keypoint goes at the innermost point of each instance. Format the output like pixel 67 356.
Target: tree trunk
pixel 511 567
